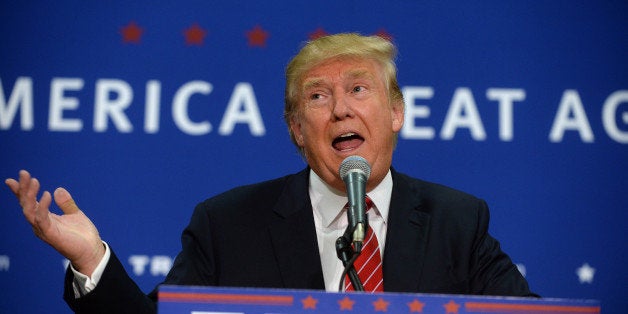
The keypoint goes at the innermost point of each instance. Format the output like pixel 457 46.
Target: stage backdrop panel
pixel 142 110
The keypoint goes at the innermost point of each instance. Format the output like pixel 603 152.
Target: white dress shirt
pixel 331 221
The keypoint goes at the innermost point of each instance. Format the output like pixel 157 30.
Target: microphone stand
pixel 347 255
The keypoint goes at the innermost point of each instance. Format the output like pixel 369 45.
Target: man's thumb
pixel 65 202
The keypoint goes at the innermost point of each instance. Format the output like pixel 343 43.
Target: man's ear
pixel 397 114
pixel 295 128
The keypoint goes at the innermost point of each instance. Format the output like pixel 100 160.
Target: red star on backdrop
pixel 451 307
pixel 131 33
pixel 384 34
pixel 309 303
pixel 346 304
pixel 416 306
pixel 319 32
pixel 380 305
pixel 257 36
pixel 194 35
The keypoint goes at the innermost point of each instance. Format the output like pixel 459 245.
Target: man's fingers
pixel 65 202
pixel 42 218
pixel 33 189
pixel 13 185
pixel 28 197
pixel 45 201
pixel 25 180
pixel 20 184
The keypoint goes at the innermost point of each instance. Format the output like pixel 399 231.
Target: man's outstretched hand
pixel 71 234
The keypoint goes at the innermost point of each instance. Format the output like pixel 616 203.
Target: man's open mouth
pixel 347 141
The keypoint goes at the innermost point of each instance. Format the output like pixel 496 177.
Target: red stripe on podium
pixel 528 308
pixel 254 299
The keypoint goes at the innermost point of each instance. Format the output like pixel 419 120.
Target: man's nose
pixel 341 107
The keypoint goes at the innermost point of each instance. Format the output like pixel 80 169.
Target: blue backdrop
pixel 141 110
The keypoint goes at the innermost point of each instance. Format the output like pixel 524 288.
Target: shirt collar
pixel 328 202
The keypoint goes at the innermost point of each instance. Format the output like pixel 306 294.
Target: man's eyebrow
pixel 353 74
pixel 313 82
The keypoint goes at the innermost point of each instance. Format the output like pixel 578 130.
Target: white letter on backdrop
pixel 180 108
pixel 21 97
pixel 571 116
pixel 608 116
pixel 505 97
pixel 114 108
pixel 151 111
pixel 242 108
pixel 463 113
pixel 60 103
pixel 414 111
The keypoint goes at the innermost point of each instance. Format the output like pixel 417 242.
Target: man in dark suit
pixel 342 99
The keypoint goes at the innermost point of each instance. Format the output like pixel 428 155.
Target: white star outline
pixel 585 273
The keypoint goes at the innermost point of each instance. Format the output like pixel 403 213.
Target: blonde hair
pixel 335 46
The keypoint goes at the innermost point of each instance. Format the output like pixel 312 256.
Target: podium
pixel 218 300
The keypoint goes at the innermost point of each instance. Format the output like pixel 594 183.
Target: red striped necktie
pixel 369 263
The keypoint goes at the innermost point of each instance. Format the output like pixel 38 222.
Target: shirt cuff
pixel 83 284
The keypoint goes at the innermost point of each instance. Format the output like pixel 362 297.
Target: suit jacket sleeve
pixel 438 242
pixel 492 271
pixel 115 293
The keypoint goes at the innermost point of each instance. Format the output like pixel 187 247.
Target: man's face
pixel 344 110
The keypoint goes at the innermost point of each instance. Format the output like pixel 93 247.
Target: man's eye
pixel 315 96
pixel 358 89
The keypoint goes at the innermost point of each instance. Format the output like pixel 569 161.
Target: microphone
pixel 355 171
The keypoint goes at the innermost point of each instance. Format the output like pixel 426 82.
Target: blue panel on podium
pixel 211 300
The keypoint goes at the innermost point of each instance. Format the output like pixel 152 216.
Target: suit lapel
pixel 406 237
pixel 293 236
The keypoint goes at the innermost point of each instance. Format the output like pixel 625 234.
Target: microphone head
pixel 353 163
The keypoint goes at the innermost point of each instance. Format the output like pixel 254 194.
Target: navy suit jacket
pixel 263 235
